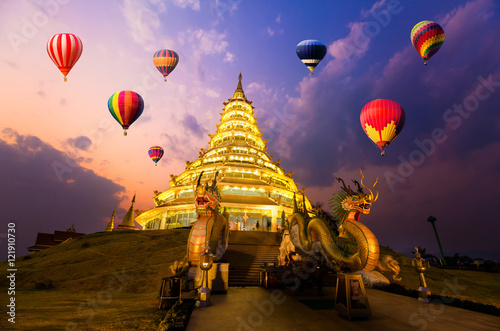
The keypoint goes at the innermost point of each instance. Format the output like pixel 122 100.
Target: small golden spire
pixel 239 94
pixel 128 220
pixel 111 223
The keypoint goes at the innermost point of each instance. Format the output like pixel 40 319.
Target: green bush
pixel 177 317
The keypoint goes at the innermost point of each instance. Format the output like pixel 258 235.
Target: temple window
pixel 184 194
pixel 243 191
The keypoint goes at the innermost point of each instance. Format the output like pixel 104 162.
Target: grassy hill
pixel 102 281
pixel 476 286
pixel 88 263
pixel 110 281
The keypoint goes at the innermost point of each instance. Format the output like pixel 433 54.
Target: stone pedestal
pixel 203 297
pixel 350 297
pixel 218 278
pixel 423 294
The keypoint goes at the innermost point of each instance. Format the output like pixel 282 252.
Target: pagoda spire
pixel 128 220
pixel 238 131
pixel 238 93
pixel 111 223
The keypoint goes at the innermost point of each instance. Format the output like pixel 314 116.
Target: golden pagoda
pixel 111 223
pixel 253 187
pixel 128 220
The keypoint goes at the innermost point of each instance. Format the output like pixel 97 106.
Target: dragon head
pixel 347 200
pixel 359 202
pixel 206 197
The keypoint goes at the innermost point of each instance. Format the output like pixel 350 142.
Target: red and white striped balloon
pixel 64 49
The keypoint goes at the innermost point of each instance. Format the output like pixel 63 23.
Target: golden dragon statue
pixel 211 230
pixel 209 234
pixel 353 246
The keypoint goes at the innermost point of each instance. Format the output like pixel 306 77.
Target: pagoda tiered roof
pixel 248 176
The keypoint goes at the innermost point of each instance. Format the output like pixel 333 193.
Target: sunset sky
pixel 64 159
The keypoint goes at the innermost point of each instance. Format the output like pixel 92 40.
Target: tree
pixel 421 250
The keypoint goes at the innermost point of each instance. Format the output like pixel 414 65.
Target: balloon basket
pixel 124 133
pixel 65 79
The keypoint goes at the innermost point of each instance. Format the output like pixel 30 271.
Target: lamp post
pixel 206 260
pixel 432 219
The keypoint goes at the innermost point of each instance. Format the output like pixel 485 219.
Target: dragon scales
pixel 211 230
pixel 209 234
pixel 354 247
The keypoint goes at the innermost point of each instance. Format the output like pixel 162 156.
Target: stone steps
pixel 247 252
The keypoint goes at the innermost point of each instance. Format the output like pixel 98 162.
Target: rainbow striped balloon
pixel 427 37
pixel 126 107
pixel 155 153
pixel 165 61
pixel 64 49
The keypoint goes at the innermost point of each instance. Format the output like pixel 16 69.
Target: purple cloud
pixel 190 123
pixel 42 192
pixel 81 142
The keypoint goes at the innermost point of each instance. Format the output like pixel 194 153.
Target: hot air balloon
pixel 155 153
pixel 64 49
pixel 126 107
pixel 165 61
pixel 427 37
pixel 382 120
pixel 311 52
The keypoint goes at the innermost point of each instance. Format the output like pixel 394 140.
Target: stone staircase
pixel 247 252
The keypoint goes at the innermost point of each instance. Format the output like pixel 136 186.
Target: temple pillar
pixel 274 220
pixel 163 221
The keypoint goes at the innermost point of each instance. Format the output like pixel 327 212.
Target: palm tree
pixel 421 250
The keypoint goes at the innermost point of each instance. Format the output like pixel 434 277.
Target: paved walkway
pixel 255 308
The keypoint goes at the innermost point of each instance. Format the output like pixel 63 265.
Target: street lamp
pixel 432 219
pixel 206 260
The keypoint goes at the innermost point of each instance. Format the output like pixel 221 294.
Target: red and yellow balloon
pixel 126 107
pixel 382 120
pixel 64 49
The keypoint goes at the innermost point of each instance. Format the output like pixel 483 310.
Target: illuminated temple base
pixel 253 187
